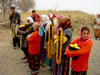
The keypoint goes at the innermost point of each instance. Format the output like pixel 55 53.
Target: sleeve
pixel 18 16
pixel 67 33
pixel 28 31
pixel 85 49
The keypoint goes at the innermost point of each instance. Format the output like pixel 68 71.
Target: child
pixel 16 37
pixel 34 50
pixel 80 65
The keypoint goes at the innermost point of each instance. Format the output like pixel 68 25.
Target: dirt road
pixel 11 63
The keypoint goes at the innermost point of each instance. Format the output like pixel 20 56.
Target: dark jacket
pixel 28 30
pixel 13 18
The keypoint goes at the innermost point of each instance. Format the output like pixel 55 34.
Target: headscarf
pixel 86 28
pixel 30 19
pixel 52 16
pixel 64 22
pixel 37 16
pixel 45 19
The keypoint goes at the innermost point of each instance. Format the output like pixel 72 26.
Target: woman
pixel 28 29
pixel 97 27
pixel 63 68
pixel 44 39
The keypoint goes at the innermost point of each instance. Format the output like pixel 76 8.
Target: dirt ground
pixel 11 63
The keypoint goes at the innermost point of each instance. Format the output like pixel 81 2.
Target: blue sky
pixel 89 6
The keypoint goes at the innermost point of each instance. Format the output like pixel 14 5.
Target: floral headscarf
pixel 64 22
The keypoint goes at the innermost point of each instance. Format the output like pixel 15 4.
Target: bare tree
pixel 5 5
pixel 3 8
pixel 26 5
pixel 23 5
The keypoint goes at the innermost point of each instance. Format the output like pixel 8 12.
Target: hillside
pixel 78 18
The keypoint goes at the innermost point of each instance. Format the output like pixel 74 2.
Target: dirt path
pixel 11 63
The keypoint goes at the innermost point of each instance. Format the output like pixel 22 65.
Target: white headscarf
pixel 30 19
pixel 45 20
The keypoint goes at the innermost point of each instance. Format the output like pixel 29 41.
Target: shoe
pixel 25 61
pixel 33 73
pixel 42 65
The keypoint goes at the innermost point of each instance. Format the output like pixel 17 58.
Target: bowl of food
pixel 74 47
pixel 21 27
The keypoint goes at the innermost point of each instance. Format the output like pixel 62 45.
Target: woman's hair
pixel 85 28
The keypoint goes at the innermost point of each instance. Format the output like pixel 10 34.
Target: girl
pixel 16 39
pixel 63 68
pixel 34 50
pixel 80 65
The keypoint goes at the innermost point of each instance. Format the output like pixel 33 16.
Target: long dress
pixel 63 68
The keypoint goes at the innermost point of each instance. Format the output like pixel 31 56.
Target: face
pixel 27 21
pixel 12 11
pixel 37 19
pixel 85 34
pixel 33 13
pixel 62 20
pixel 59 22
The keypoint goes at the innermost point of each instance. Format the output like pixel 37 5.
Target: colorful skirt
pixel 63 68
pixel 34 62
pixel 78 73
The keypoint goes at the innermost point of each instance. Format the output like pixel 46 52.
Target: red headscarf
pixel 37 18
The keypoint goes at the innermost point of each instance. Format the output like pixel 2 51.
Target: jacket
pixel 81 63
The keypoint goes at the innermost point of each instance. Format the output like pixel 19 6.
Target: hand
pixel 65 53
